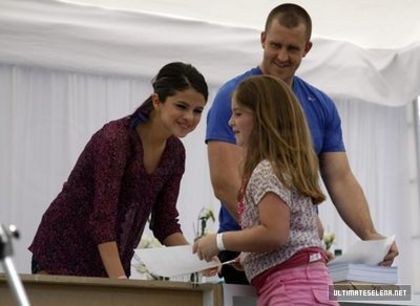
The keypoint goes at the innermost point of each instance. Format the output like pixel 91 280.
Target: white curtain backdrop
pixel 47 116
pixel 65 70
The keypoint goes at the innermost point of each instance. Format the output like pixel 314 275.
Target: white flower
pixel 329 238
pixel 149 242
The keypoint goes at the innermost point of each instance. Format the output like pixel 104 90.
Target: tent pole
pixel 416 114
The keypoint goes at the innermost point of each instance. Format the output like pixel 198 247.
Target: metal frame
pixel 6 251
pixel 416 125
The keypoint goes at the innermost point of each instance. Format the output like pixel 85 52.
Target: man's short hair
pixel 290 15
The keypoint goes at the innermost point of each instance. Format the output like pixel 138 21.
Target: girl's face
pixel 242 123
pixel 180 113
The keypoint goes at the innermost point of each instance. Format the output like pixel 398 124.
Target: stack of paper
pixel 363 273
pixel 360 263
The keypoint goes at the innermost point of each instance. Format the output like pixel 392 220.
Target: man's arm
pixel 349 199
pixel 346 193
pixel 224 161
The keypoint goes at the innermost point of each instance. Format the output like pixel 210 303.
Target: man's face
pixel 284 49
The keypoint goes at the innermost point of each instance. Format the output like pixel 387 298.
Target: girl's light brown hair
pixel 280 135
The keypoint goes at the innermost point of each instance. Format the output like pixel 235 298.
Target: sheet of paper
pixel 173 261
pixel 370 252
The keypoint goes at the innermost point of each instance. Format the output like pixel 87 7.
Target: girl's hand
pixel 206 247
pixel 213 271
pixel 238 263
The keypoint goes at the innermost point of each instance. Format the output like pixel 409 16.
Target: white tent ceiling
pixel 385 24
pixel 91 57
pixel 363 50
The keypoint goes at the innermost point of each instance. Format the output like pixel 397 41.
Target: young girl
pixel 129 169
pixel 281 251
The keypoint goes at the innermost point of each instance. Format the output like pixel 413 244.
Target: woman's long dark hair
pixel 172 77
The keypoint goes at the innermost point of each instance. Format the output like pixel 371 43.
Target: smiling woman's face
pixel 181 112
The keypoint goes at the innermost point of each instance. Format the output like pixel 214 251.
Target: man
pixel 285 42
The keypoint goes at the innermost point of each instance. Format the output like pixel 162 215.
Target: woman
pixel 129 169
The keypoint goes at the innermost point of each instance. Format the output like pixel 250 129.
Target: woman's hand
pixel 111 259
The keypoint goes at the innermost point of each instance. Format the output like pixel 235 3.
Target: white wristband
pixel 219 242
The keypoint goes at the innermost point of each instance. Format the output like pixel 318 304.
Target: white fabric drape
pixel 65 70
pixel 90 39
pixel 48 116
